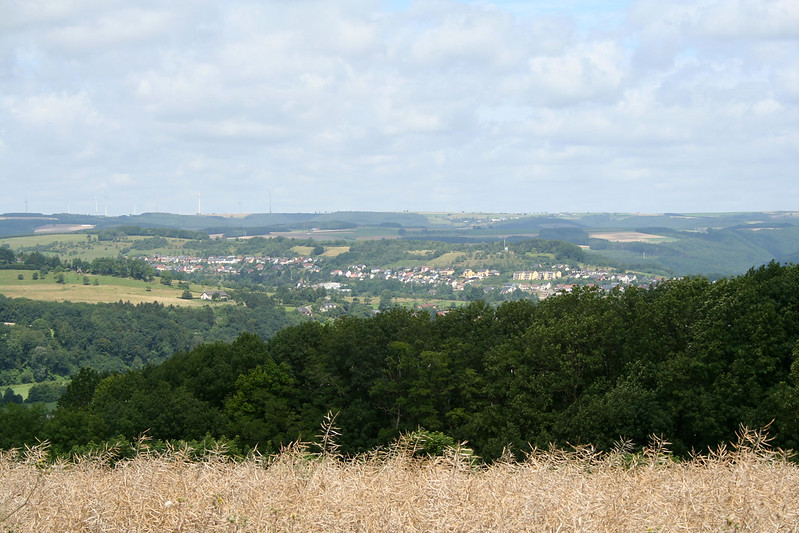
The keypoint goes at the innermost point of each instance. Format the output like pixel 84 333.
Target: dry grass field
pixel 446 259
pixel 109 289
pixel 334 251
pixel 746 488
pixel 318 234
pixel 628 236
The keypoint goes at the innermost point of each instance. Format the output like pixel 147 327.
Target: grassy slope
pixel 76 246
pixel 110 289
pixel 729 251
pixel 724 251
pixel 24 388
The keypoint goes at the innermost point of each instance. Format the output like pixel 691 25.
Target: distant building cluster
pixel 227 264
pixel 542 290
pixel 532 275
pixel 412 275
pixel 538 281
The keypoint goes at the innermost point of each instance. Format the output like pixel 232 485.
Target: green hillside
pixel 687 359
pixel 687 244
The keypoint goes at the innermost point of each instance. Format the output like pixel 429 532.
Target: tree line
pixel 43 340
pixel 116 232
pixel 687 359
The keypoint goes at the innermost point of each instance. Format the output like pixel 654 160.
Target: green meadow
pixel 107 289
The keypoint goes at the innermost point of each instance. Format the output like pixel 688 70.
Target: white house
pixel 214 295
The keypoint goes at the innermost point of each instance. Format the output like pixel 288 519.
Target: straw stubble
pixel 745 489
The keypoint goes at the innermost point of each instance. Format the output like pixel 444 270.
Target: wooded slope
pixel 686 359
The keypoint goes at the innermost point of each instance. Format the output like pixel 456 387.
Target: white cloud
pixel 42 12
pixel 466 37
pixel 124 26
pixel 786 82
pixel 430 105
pixel 583 73
pixel 59 112
pixel 734 19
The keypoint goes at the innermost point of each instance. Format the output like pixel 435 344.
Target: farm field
pixel 330 251
pixel 334 251
pixel 77 246
pixel 16 243
pixel 628 236
pixel 109 289
pixel 445 259
pixel 67 245
pixel 319 235
pixel 749 489
pixel 303 250
pixel 673 244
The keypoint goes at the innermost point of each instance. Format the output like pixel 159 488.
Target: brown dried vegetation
pixel 745 487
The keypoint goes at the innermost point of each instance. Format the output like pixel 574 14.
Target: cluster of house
pixel 608 280
pixel 417 275
pixel 423 275
pixel 214 295
pixel 308 310
pixel 477 221
pixel 541 290
pixel 227 264
pixel 531 275
pixel 565 271
pixel 600 278
pixel 479 274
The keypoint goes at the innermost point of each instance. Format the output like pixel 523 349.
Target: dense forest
pixel 688 359
pixel 43 340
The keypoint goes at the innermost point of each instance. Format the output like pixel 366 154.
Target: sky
pixel 117 107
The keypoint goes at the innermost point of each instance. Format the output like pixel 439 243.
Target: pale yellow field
pixel 92 294
pixel 746 490
pixel 330 251
pixel 626 236
pixel 303 251
pixel 446 259
pixel 333 251
pixel 62 228
pixel 320 234
pixel 109 290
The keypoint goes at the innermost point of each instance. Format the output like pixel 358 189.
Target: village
pixel 542 282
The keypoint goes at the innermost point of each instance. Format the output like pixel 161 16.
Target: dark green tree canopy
pixel 687 359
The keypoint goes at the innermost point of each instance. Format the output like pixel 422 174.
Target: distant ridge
pixel 714 244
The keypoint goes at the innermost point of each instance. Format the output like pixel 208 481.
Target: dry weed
pixel 746 487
